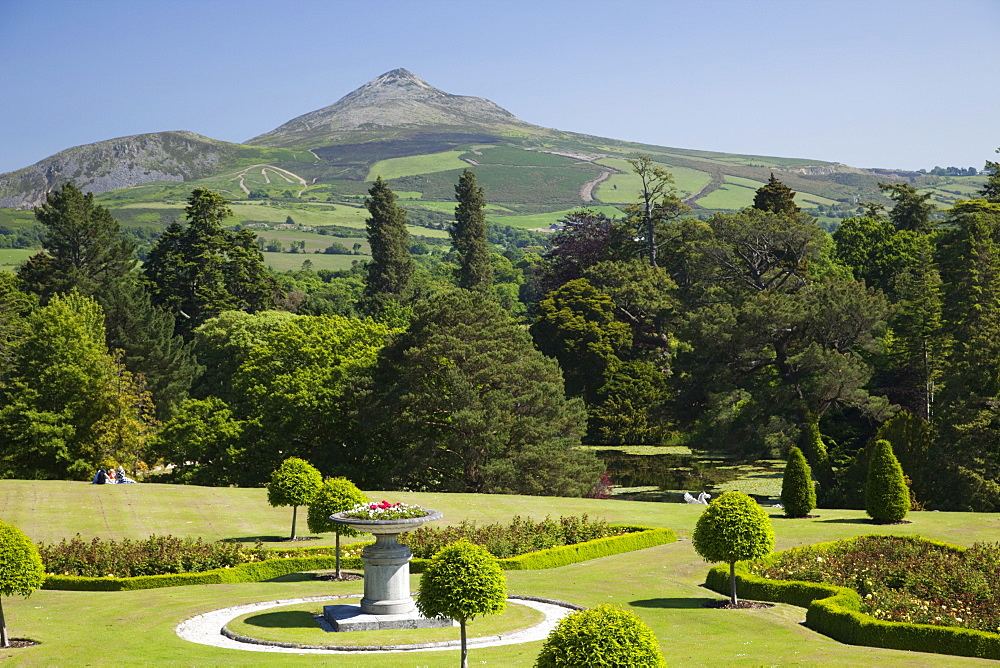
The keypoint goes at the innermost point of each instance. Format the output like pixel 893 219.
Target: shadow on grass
pixel 254 539
pixel 292 619
pixel 679 603
pixel 293 577
pixel 848 520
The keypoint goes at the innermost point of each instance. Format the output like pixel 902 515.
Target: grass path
pixel 661 584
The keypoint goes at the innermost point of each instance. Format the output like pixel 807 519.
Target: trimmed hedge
pixel 835 612
pixel 640 537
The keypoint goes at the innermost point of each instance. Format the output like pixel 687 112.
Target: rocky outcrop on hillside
pixel 113 164
pixel 397 99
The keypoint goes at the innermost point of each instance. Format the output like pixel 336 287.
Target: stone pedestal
pixel 387 603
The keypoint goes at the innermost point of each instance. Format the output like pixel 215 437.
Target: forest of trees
pixel 484 369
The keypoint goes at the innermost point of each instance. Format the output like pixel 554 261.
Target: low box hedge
pixel 836 612
pixel 639 537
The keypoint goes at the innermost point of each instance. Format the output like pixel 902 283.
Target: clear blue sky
pixel 870 83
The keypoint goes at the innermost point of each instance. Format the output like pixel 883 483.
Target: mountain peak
pixel 396 100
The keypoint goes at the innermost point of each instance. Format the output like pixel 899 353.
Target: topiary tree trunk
pixel 733 528
pixel 798 493
pixel 887 498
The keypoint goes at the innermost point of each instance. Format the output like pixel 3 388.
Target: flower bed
pixel 285 561
pixel 519 537
pixel 904 579
pixel 836 610
pixel 156 555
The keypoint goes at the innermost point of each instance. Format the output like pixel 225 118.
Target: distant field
pixel 543 220
pixel 625 187
pixel 10 258
pixel 728 196
pixel 314 241
pixel 395 168
pixel 287 261
pixel 513 155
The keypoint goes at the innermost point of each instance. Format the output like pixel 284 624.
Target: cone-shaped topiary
pixel 887 498
pixel 601 636
pixel 814 450
pixel 733 528
pixel 798 493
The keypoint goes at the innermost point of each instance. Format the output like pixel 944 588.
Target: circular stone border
pixel 210 629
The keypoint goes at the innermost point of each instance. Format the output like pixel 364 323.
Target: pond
pixel 649 473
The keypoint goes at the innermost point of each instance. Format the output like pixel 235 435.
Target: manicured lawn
pixel 294 623
pixel 661 584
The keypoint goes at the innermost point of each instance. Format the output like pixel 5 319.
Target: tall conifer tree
pixel 468 235
pixel 84 248
pixel 390 272
pixel 776 197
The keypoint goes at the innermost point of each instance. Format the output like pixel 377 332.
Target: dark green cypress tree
pixel 887 498
pixel 798 493
pixel 814 450
pixel 776 197
pixel 390 272
pixel 468 236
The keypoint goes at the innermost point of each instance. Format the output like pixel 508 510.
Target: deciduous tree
pixel 658 204
pixel 733 528
pixel 462 581
pixel 21 569
pixel 334 496
pixel 295 483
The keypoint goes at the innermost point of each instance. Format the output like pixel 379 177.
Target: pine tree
pixel 84 247
pixel 201 270
pixel 146 335
pixel 776 197
pixel 390 272
pixel 468 234
pixel 991 189
pixel 887 498
pixel 464 402
pixel 798 492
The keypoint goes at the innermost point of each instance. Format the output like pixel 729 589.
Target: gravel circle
pixel 206 629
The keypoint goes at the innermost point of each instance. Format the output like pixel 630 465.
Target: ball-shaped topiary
pixel 601 636
pixel 887 498
pixel 21 570
pixel 335 495
pixel 733 528
pixel 294 483
pixel 798 492
pixel 462 581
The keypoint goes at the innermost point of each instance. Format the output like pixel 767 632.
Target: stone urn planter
pixel 387 570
